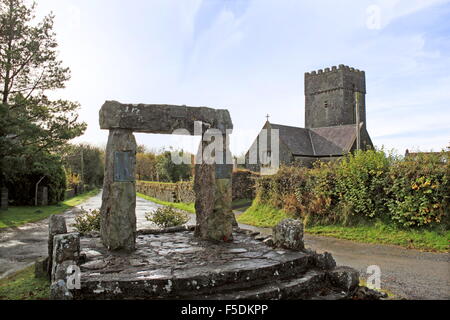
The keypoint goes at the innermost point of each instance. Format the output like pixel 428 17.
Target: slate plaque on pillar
pixel 123 166
pixel 223 171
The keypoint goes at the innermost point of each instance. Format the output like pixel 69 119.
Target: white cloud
pixel 394 9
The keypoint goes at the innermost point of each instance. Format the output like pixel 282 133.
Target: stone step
pixel 312 284
pixel 179 266
pixel 198 282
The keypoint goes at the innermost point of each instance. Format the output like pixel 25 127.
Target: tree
pixel 146 166
pixel 31 125
pixel 168 171
pixel 47 167
pixel 86 163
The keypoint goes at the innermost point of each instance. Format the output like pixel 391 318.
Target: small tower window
pixel 326 104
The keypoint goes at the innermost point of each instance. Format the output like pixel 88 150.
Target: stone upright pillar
pixel 42 196
pixel 3 198
pixel 213 195
pixel 65 259
pixel 118 217
pixel 57 225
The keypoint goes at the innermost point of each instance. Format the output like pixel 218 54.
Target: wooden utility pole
pixel 358 131
pixel 82 170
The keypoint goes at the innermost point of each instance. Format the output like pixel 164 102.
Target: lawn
pixel 22 285
pixel 17 216
pixel 379 232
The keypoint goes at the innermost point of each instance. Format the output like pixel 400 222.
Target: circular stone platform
pixel 177 265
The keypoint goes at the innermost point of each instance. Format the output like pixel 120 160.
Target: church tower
pixel 330 97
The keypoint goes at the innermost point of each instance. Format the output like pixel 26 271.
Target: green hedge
pixel 364 186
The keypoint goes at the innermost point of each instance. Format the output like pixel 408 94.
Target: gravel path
pixel 407 273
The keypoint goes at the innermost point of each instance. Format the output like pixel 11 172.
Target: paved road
pixel 407 273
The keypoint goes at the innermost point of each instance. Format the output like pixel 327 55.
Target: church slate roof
pixel 325 141
pixel 296 139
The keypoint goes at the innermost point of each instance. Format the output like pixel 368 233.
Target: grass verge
pixel 17 216
pixel 22 285
pixel 241 204
pixel 380 233
pixel 261 215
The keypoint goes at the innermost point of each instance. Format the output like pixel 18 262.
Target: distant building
pixel 334 103
pixel 415 155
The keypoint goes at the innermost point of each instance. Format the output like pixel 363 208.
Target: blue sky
pixel 250 56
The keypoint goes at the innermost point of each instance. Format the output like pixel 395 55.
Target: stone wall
pixel 170 192
pixel 244 184
pixel 243 188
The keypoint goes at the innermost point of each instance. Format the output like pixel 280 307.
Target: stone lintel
pixel 161 119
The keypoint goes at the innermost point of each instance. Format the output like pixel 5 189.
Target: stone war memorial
pixel 214 259
pixel 212 181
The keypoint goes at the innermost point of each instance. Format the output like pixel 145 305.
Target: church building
pixel 334 104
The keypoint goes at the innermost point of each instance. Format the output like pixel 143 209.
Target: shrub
pixel 418 191
pixel 166 217
pixel 360 183
pixel 318 197
pixel 243 186
pixel 364 186
pixel 87 220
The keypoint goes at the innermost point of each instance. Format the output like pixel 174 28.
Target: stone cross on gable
pixel 267 116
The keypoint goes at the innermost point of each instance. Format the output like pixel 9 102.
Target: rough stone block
pixel 325 261
pixel 288 234
pixel 57 225
pixel 345 278
pixel 66 247
pixel 59 291
pixel 61 270
pixel 162 119
pixel 212 205
pixel 41 268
